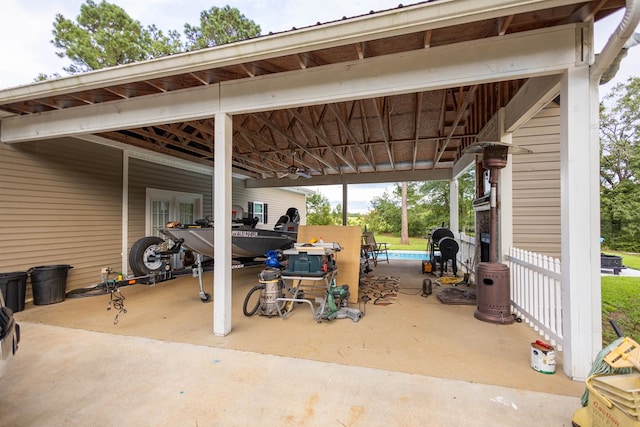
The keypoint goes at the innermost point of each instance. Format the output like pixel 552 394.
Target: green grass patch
pixel 415 243
pixel 620 303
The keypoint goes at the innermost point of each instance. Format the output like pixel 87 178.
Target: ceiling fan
pixel 293 172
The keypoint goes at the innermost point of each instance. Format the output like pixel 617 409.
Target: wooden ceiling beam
pixel 426 39
pixel 320 134
pixel 503 24
pixel 197 77
pixel 385 135
pixel 461 112
pixel 270 124
pixel 586 12
pixel 347 131
pixel 156 86
pixel 416 128
pixel 119 91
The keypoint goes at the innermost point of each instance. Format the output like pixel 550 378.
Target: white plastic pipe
pixel 617 40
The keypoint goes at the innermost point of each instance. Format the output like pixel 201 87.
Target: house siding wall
pixel 536 185
pixel 278 201
pixel 143 175
pixel 61 204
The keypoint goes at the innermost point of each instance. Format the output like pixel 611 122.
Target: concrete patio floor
pixel 415 362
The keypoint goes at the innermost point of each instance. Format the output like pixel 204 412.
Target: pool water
pixel 408 255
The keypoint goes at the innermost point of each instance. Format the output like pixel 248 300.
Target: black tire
pixel 247 302
pixel 142 256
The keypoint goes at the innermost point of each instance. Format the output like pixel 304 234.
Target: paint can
pixel 543 357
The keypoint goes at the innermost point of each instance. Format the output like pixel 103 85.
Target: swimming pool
pixel 408 255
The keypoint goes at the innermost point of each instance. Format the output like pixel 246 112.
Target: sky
pixel 26 50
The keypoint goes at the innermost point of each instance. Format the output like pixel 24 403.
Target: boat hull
pixel 245 243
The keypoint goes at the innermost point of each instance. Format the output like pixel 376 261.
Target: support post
pixel 222 186
pixel 580 222
pixel 454 221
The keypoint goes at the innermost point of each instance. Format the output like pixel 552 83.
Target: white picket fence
pixel 536 287
pixel 536 292
pixel 466 253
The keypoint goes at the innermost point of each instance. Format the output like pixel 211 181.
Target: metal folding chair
pixel 373 249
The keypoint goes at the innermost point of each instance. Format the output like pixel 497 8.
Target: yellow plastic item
pixel 622 390
pixel 313 240
pixel 601 412
pixel 449 280
pixel 625 355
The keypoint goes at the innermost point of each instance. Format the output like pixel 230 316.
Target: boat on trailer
pixel 245 242
pixel 149 254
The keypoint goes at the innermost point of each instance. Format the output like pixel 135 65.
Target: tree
pixel 384 215
pixel 466 194
pixel 105 35
pixel 336 214
pixel 319 210
pixel 387 212
pixel 436 196
pixel 404 231
pixel 620 166
pixel 219 26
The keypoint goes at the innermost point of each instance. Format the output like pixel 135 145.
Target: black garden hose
pixel 251 312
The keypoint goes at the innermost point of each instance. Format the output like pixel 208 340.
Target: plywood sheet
pixel 348 259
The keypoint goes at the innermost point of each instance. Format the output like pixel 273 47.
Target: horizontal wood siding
pixel 278 200
pixel 536 185
pixel 143 175
pixel 61 204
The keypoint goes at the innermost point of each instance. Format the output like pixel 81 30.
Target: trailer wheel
pixel 143 258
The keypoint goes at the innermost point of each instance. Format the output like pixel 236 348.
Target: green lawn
pixel 620 302
pixel 415 243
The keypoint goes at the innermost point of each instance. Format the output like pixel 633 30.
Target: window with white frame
pixel 258 209
pixel 165 205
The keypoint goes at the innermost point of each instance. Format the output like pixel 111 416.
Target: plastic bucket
pixel 49 283
pixel 14 287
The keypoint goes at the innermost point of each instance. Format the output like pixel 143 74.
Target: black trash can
pixel 49 283
pixel 14 287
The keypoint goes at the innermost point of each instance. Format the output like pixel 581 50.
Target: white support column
pixel 580 207
pixel 454 224
pixel 222 219
pixel 125 211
